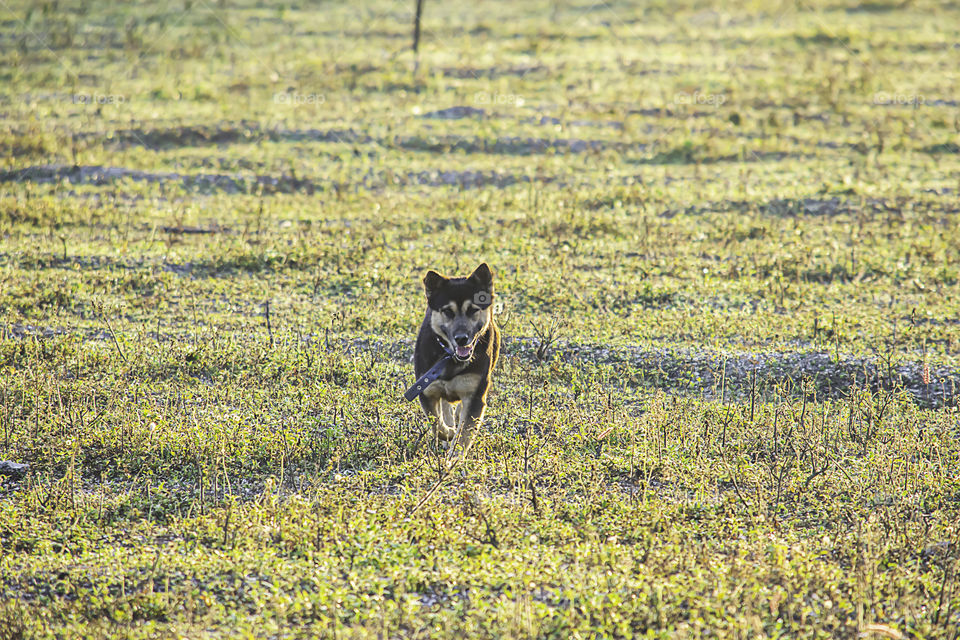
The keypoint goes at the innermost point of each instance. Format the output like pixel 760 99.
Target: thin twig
pixel 416 36
pixel 436 486
pixel 113 334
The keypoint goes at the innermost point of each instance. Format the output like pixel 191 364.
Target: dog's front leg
pixel 471 415
pixel 448 413
pixel 438 410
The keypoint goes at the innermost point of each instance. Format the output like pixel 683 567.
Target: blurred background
pixel 737 175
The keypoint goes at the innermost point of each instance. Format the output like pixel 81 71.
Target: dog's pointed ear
pixel 433 282
pixel 483 277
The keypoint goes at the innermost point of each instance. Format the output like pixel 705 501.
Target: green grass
pixel 727 243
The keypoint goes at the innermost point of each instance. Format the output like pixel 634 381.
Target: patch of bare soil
pixel 738 374
pixel 266 184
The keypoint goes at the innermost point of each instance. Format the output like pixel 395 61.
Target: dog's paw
pixel 443 433
pixel 455 454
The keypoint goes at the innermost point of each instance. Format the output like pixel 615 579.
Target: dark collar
pixel 443 345
pixel 431 376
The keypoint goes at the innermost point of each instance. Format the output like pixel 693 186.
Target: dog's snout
pixel 461 339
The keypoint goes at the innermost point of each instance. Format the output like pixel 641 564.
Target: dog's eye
pixel 449 313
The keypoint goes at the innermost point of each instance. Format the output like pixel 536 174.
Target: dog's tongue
pixel 464 352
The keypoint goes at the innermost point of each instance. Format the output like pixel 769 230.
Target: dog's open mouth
pixel 464 353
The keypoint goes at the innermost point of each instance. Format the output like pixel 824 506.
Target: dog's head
pixel 460 309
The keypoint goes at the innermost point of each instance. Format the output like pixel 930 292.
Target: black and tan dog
pixel 456 351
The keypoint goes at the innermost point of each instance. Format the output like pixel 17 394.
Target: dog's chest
pixel 457 388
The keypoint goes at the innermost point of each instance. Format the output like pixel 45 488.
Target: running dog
pixel 455 354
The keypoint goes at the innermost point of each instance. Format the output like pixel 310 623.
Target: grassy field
pixel 727 245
